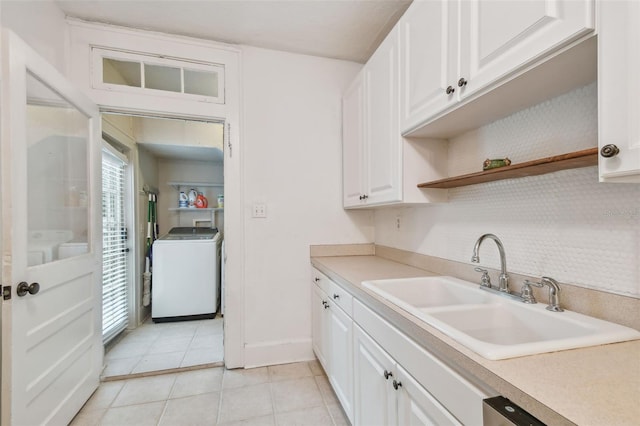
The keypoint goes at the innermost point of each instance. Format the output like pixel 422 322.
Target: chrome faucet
pixel 503 284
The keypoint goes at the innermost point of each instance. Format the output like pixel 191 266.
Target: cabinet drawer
pixel 320 279
pixel 459 396
pixel 340 297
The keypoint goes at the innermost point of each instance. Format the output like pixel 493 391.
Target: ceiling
pixel 340 29
pixel 180 139
pixel 181 152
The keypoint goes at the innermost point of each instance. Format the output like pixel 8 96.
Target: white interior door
pixel 51 214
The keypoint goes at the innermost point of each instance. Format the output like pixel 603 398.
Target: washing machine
pixel 186 275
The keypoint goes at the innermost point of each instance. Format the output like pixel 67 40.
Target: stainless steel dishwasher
pixel 499 411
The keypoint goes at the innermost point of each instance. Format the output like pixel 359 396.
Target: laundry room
pixel 178 182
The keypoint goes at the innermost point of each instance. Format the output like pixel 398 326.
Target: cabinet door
pixel 353 138
pixel 416 406
pixel 319 325
pixel 341 357
pixel 384 183
pixel 428 52
pixel 618 88
pixel 374 400
pixel 498 37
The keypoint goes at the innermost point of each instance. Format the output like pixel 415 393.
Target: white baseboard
pixel 277 352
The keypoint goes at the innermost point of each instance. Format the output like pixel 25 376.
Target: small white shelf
pixel 178 185
pixel 195 210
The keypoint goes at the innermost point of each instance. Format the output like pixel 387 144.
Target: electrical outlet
pixel 398 223
pixel 259 210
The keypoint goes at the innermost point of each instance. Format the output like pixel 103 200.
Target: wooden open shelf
pixel 572 160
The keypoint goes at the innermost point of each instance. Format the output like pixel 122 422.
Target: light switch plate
pixel 259 210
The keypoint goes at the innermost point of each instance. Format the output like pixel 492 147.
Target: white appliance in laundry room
pixel 186 274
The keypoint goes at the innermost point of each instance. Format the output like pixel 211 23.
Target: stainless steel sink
pixel 495 327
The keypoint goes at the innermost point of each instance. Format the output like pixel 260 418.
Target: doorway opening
pixel 181 163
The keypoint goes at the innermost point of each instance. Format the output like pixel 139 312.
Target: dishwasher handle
pixel 499 411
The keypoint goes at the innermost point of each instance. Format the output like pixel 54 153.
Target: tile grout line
pixel 224 375
pixel 166 401
pixel 325 399
pixel 273 400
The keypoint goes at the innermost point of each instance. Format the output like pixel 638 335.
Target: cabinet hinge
pixel 6 292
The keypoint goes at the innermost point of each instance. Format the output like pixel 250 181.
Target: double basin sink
pixel 493 326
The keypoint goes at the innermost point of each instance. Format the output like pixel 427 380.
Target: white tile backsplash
pixel 565 225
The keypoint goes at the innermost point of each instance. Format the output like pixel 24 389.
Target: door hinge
pixel 228 135
pixel 6 292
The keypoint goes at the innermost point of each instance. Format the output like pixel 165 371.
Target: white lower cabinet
pixel 381 376
pixel 386 394
pixel 332 329
pixel 416 406
pixel 374 397
pixel 454 400
pixel 341 356
pixel 320 327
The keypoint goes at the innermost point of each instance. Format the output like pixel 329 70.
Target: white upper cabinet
pixel 371 138
pixel 498 37
pixel 353 140
pixel 618 91
pixel 453 52
pixel 429 60
pixel 383 135
pixel 376 159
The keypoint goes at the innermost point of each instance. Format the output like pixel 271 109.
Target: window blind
pixel 114 245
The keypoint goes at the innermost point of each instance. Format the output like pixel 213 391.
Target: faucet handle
pixel 485 280
pixel 533 283
pixel 527 294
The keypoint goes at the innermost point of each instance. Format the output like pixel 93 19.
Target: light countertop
pixel 597 385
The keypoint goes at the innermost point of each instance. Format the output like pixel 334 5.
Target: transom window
pixel 157 75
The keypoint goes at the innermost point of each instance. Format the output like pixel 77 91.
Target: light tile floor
pixel 165 346
pixel 282 395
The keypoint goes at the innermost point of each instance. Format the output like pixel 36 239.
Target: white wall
pixel 565 225
pixel 42 25
pixel 292 162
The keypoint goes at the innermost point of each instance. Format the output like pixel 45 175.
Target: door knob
pixel 24 288
pixel 462 82
pixel 396 384
pixel 450 90
pixel 609 151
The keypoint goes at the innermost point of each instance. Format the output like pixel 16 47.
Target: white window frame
pixel 97 75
